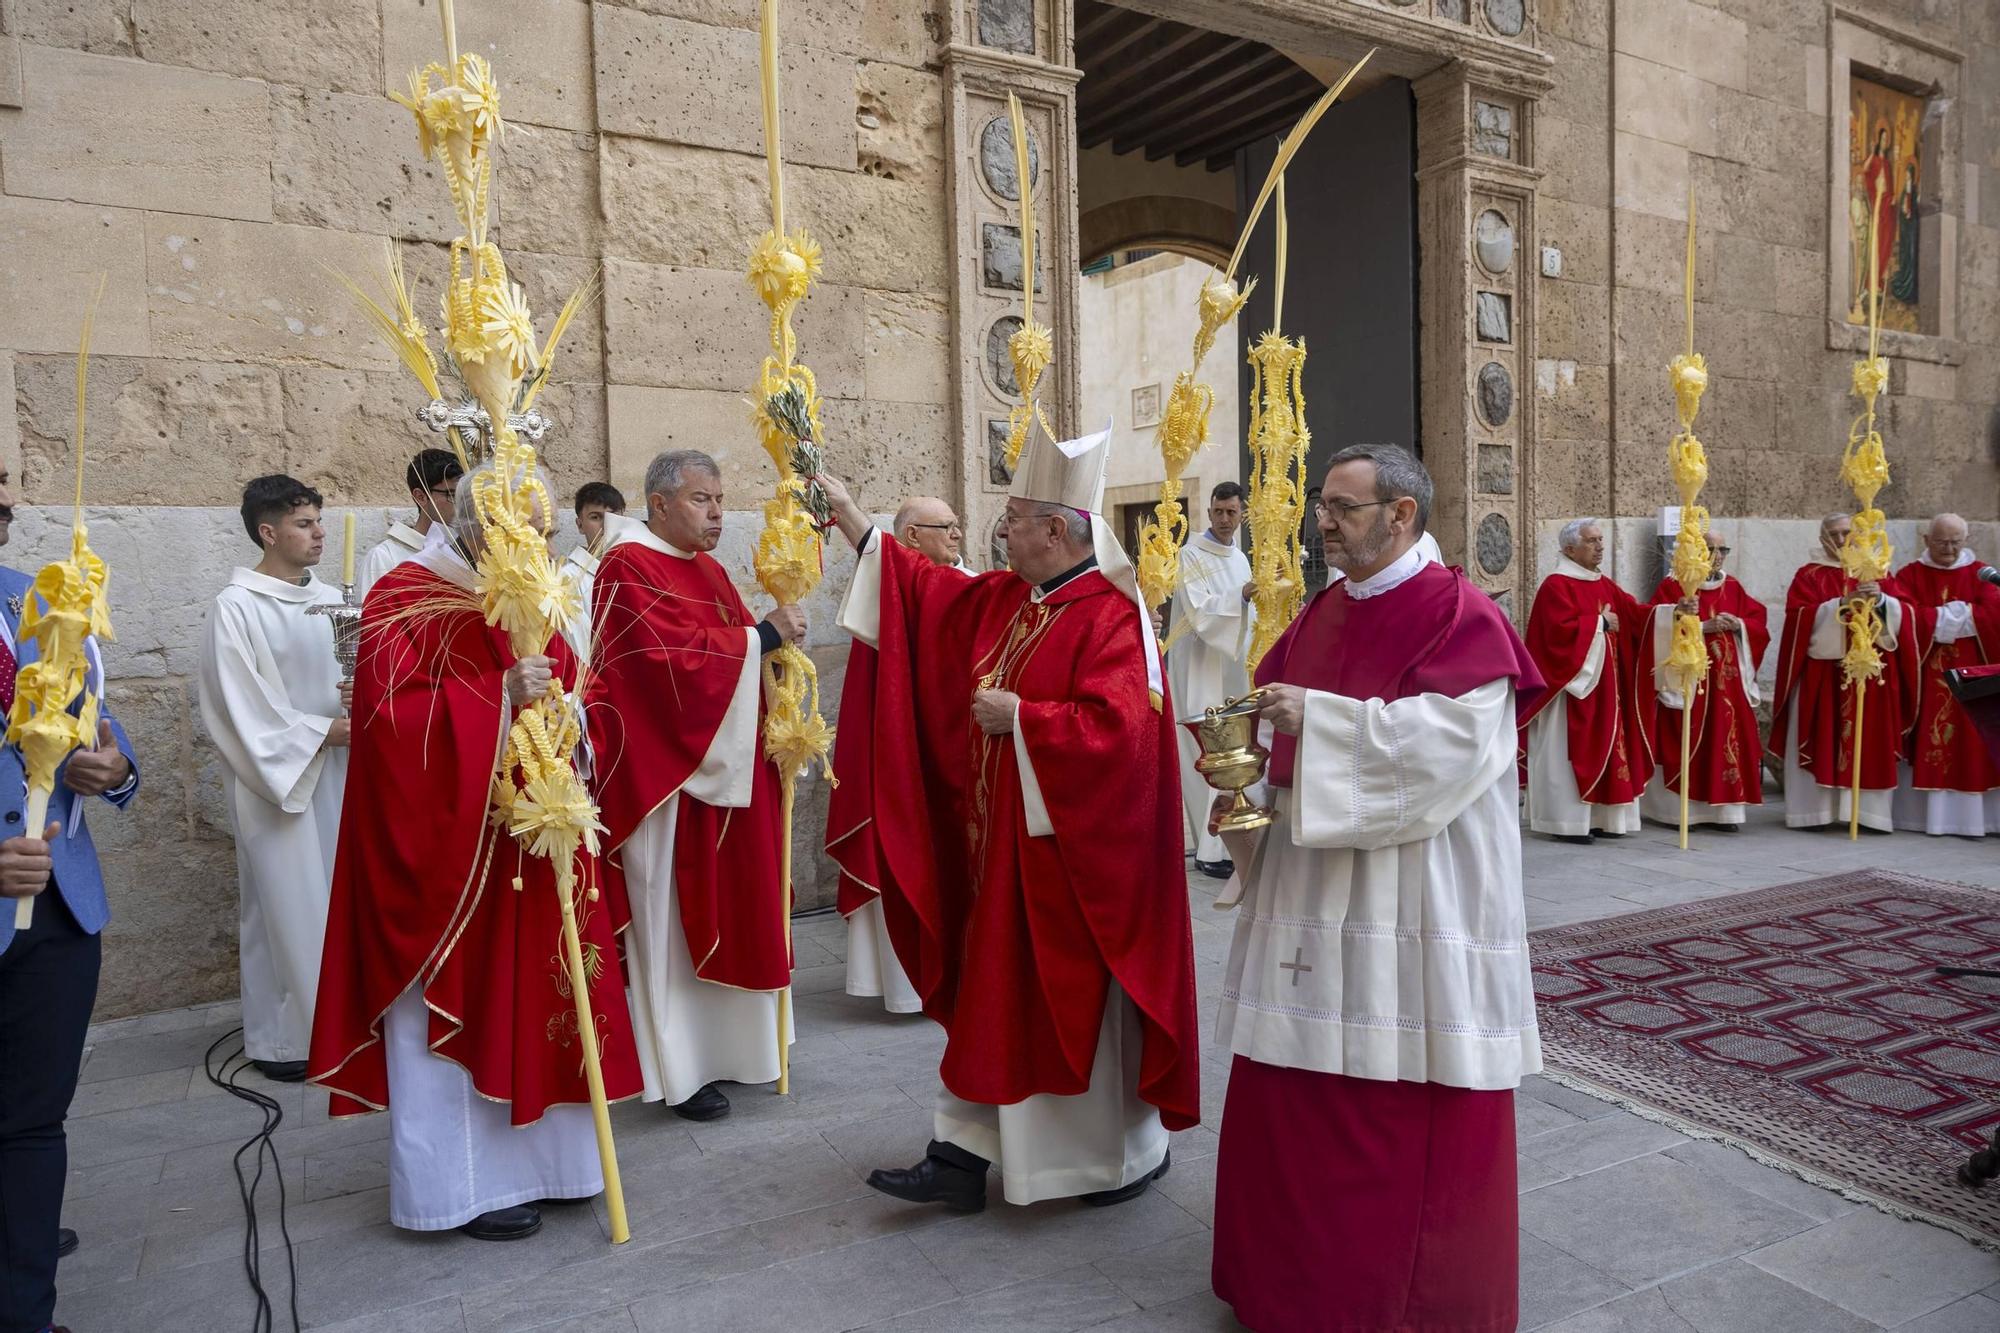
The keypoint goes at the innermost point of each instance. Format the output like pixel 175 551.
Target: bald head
pixel 927 524
pixel 1944 539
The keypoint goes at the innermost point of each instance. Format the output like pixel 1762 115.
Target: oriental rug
pixel 1805 1024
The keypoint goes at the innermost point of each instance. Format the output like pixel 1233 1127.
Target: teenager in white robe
pixel 1212 620
pixel 433 477
pixel 271 698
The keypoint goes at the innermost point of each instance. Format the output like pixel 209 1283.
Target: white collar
pixel 403 534
pixel 1398 572
pixel 1820 557
pixel 1965 557
pixel 1569 569
pixel 1210 542
pixel 312 590
pixel 583 559
pixel 445 560
pixel 621 528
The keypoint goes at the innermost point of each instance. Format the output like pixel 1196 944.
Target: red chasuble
pixel 1606 750
pixel 1013 940
pixel 852 803
pixel 1944 748
pixel 1728 754
pixel 424 883
pixel 1825 704
pixel 670 634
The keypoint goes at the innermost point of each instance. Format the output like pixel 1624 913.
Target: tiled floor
pixel 761 1220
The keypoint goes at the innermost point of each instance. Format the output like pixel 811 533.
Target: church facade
pixel 215 159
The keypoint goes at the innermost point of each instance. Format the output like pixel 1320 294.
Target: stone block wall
pixel 1735 96
pixel 213 158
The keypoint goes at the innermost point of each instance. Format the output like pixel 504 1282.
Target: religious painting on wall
pixel 1885 132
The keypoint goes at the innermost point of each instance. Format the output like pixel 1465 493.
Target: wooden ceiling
pixel 1175 91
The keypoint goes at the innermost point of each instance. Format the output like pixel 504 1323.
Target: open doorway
pixel 1176 128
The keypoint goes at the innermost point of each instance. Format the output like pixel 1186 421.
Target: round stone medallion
pixel 1493 241
pixel 1506 16
pixel 1496 394
pixel 1000 366
pixel 996 159
pixel 1496 544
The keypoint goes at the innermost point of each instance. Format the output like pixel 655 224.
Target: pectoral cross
pixel 1297 965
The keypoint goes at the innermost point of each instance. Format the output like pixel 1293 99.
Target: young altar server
pixel 432 475
pixel 1205 666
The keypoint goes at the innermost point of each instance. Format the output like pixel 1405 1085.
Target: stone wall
pixel 213 158
pixel 1746 99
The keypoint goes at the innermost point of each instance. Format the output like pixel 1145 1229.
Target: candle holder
pixel 345 616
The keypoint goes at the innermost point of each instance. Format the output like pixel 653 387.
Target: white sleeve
pixel 729 769
pixel 1372 774
pixel 1592 672
pixel 272 748
pixel 1216 611
pixel 1954 622
pixel 861 609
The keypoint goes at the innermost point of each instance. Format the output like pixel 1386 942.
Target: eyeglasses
pixel 953 526
pixel 1341 509
pixel 444 493
pixel 1720 550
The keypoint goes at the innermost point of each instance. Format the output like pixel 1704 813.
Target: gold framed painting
pixel 1884 193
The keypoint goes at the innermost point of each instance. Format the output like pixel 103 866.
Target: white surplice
pixel 1657 802
pixel 454 1154
pixel 1946 813
pixel 270 691
pixel 580 568
pixel 1807 804
pixel 872 966
pixel 1554 803
pixel 402 543
pixel 1205 667
pixel 1045 1146
pixel 1382 931
pixel 691 1032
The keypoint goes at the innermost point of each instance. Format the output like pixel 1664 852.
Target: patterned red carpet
pixel 1805 1023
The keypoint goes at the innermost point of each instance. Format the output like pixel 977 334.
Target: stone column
pixel 1475 231
pixel 997 47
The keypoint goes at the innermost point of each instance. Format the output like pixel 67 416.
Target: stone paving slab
pixel 761 1220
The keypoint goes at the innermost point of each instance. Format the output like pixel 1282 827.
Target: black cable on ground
pixel 225 1075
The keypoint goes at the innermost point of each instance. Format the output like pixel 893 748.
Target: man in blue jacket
pixel 48 973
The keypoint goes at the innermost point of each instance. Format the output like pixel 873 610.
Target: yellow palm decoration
pixel 1864 467
pixel 488 332
pixel 65 607
pixel 1686 667
pixel 1184 422
pixel 785 406
pixel 1279 443
pixel 1032 346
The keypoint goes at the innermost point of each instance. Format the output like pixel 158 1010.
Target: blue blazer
pixel 77 876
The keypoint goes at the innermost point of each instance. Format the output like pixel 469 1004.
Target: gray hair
pixel 1398 475
pixel 1936 519
pixel 465 523
pixel 1076 522
pixel 666 472
pixel 1572 532
pixel 1837 516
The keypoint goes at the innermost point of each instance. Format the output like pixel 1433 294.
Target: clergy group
pixel 1016 805
pixel 1603 751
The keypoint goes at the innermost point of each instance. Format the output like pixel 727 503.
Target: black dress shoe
pixel 516 1223
pixel 708 1104
pixel 66 1242
pixel 961 1188
pixel 282 1071
pixel 565 1203
pixel 1723 828
pixel 1216 869
pixel 1126 1193
pixel 1580 839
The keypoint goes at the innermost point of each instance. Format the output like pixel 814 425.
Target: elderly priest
pixel 1028 839
pixel 1377 1000
pixel 1949 783
pixel 442 996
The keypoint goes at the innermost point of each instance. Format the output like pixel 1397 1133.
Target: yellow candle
pixel 347 552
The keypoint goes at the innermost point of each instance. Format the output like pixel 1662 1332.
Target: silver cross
pixel 468 415
pixel 1297 965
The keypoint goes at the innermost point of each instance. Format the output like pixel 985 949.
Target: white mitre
pixel 1070 473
